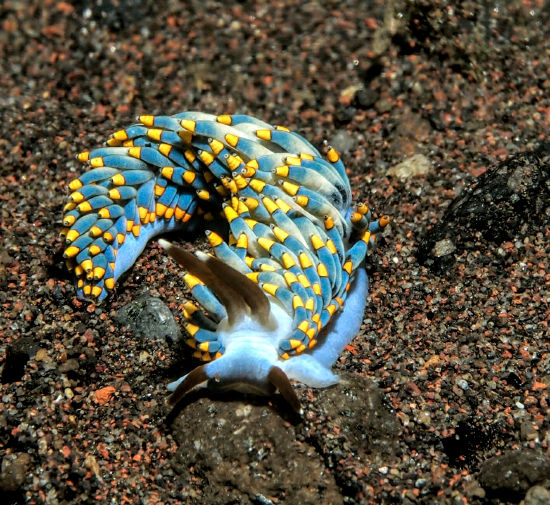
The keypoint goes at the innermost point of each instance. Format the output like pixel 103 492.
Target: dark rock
pixel 58 295
pixel 344 115
pixel 14 471
pixel 356 406
pixel 510 475
pixel 365 98
pixel 238 452
pixel 513 379
pixel 243 446
pixel 17 356
pixel 503 205
pixel 367 431
pixel 149 317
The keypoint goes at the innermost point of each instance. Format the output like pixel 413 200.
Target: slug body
pixel 284 291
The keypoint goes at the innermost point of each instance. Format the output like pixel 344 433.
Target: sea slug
pixel 285 289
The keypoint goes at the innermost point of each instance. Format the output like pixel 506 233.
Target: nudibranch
pixel 285 289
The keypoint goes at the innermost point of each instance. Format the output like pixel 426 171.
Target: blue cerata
pixel 285 289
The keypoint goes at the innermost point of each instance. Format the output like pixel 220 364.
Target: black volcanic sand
pixel 444 393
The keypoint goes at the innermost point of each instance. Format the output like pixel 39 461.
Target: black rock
pixel 344 115
pixel 503 205
pixel 510 475
pixel 149 317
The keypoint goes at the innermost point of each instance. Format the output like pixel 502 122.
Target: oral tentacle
pixel 279 379
pixel 193 379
